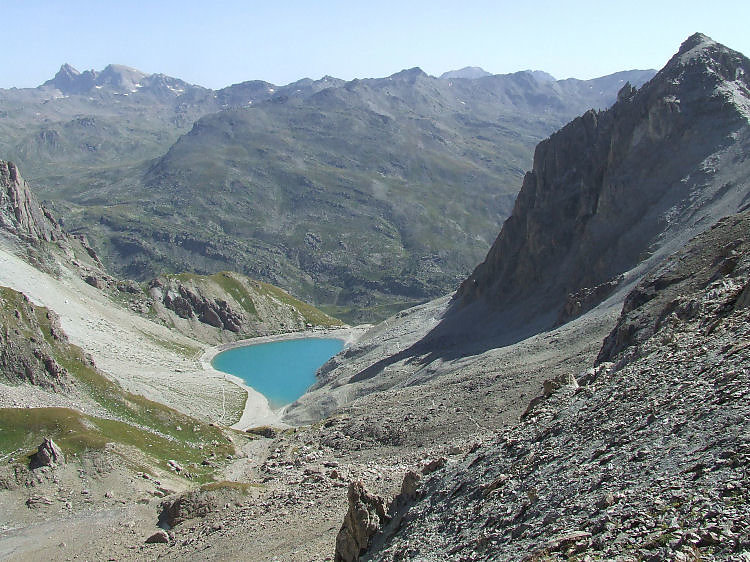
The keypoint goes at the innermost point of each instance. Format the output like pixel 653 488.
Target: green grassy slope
pixel 157 431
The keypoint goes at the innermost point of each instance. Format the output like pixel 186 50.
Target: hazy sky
pixel 219 43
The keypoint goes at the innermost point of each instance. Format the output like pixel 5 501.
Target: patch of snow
pixel 98 87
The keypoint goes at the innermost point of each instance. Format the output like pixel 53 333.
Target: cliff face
pixel 613 187
pixel 238 306
pixel 20 213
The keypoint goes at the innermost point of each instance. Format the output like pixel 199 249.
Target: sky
pixel 218 43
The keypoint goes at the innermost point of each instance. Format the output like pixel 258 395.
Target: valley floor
pixel 295 492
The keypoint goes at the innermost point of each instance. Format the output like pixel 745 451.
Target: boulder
pixel 48 454
pixel 263 431
pixel 159 536
pixel 433 465
pixel 189 505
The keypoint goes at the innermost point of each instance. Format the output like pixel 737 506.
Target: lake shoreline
pixel 257 410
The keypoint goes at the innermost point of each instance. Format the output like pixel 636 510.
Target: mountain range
pixel 582 393
pixel 363 196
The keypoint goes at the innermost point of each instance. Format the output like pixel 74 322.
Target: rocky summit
pixel 582 395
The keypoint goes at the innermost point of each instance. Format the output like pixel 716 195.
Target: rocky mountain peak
pixel 66 71
pixel 121 77
pixel 20 212
pixel 468 72
pixel 70 81
pixel 409 74
pixel 117 79
pixel 695 40
pixel 702 62
pixel 612 187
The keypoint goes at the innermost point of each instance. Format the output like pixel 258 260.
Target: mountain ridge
pixel 376 146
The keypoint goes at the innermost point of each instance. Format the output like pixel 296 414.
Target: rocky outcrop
pixel 708 280
pixel 23 219
pixel 190 302
pixel 585 299
pixel 47 454
pixel 25 356
pixel 20 212
pixel 364 518
pixel 227 306
pixel 189 506
pixel 612 188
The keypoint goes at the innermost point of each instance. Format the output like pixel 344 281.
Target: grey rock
pixel 363 519
pixel 433 465
pixel 20 212
pixel 48 454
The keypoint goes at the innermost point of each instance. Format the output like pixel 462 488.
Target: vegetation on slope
pixel 157 431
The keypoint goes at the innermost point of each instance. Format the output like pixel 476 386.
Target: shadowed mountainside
pixel 614 189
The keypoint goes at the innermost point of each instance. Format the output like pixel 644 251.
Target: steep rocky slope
pixel 613 187
pixel 20 214
pixel 641 457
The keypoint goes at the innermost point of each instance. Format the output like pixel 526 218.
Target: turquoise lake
pixel 281 371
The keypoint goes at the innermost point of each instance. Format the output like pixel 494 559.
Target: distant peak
pixel 68 80
pixel 121 74
pixel 468 72
pixel 67 70
pixel 541 76
pixel 409 73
